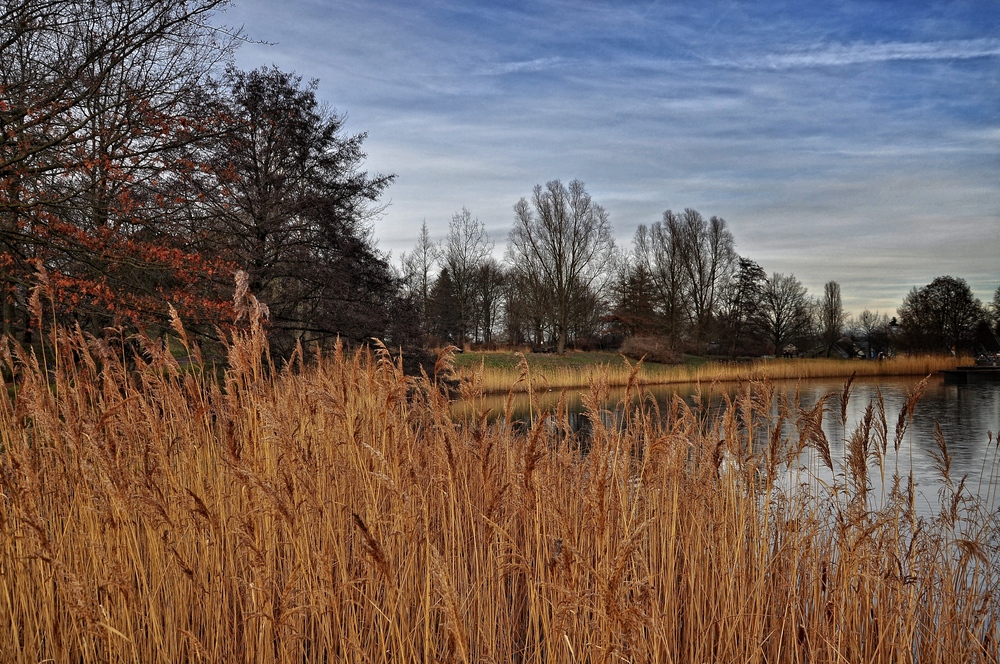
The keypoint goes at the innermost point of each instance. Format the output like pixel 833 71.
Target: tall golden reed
pixel 333 510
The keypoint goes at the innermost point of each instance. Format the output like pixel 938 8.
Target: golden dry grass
pixel 335 511
pixel 499 378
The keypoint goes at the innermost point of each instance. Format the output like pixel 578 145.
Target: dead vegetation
pixel 333 510
pixel 497 378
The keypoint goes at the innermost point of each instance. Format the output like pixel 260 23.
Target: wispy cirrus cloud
pixel 836 55
pixel 521 67
pixel 853 141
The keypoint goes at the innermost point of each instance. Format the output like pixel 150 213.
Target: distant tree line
pixel 139 169
pixel 563 283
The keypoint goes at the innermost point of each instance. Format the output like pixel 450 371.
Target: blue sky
pixel 852 141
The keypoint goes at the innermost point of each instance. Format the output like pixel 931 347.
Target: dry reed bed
pixel 500 380
pixel 334 511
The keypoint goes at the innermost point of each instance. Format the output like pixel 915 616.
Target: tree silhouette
pixel 785 312
pixel 941 316
pixel 293 208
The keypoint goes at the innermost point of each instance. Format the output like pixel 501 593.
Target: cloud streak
pixel 526 66
pixel 839 55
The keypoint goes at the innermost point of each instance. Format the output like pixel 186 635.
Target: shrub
pixel 652 349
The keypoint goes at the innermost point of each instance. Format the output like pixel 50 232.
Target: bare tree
pixel 465 250
pixel 527 304
pixel 707 256
pixel 786 311
pixel 566 237
pixel 691 261
pixel 96 100
pixel 488 298
pixel 872 326
pixel 418 267
pixel 77 76
pixel 831 315
pixel 659 250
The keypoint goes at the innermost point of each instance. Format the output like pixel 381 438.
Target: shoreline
pixel 493 373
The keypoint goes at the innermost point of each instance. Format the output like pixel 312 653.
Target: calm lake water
pixel 968 414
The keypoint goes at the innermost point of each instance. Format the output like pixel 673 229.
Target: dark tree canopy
pixel 635 298
pixel 995 311
pixel 742 307
pixel 135 179
pixel 444 318
pixel 941 316
pixel 294 209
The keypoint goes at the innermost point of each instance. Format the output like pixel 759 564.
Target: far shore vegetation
pixel 501 371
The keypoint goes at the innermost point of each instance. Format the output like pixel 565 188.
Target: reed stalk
pixel 335 510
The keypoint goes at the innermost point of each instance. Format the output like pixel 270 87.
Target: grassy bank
pixel 336 512
pixel 498 372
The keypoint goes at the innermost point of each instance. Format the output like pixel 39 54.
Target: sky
pixel 850 141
